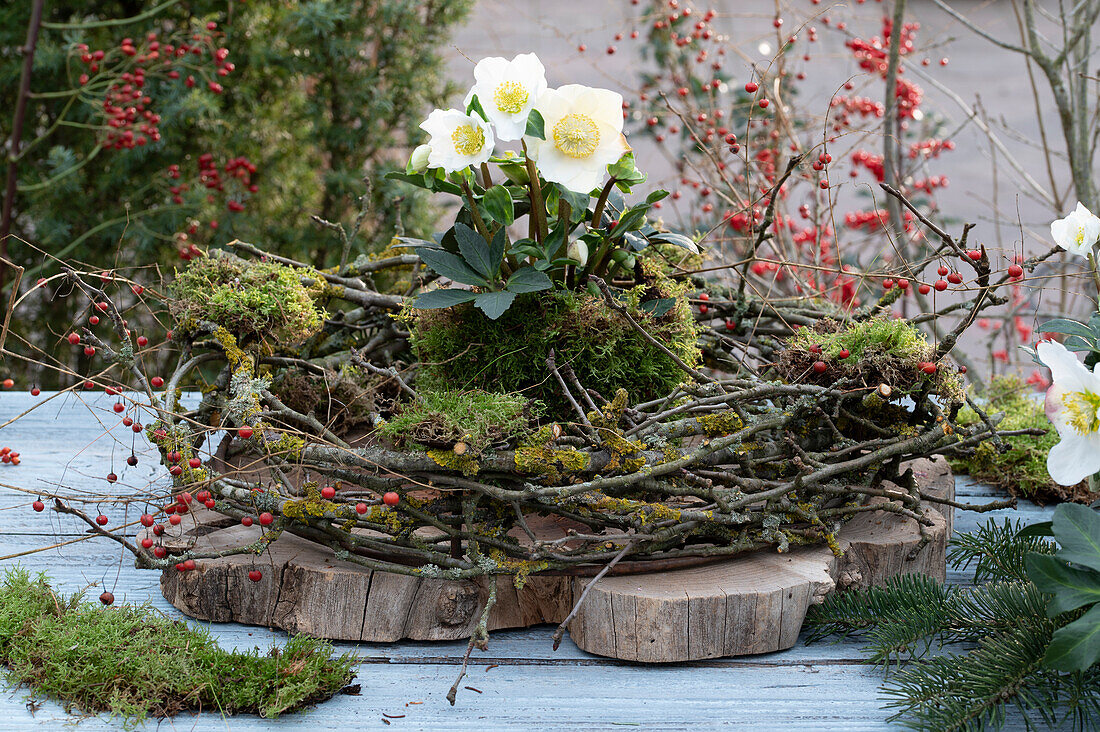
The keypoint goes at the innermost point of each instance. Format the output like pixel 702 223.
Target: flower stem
pixel 479 224
pixel 538 208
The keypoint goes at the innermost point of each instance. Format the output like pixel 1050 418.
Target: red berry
pixel 74 338
pixel 246 521
pixel 8 383
pixel 955 278
pixel 751 87
pixel 202 496
pixel 35 391
pixel 102 306
pixel 815 348
pixel 844 353
pixel 974 254
pixel 119 407
pixel 89 384
pixel 194 463
pixel 245 432
pixel 142 341
pixel 146 519
pixel 923 289
pixel 360 508
pixel 391 498
pixel 107 598
pixel 112 478
pixel 126 421
pixel 255 575
pixel 704 296
pixel 38 506
pixel 185 497
pixel 180 567
pixel 703 309
pixel 266 519
pixel 928 367
pixel 731 324
pixel 175 519
pixel 820 367
pixel 940 285
pixel 160 552
pixel 157 382
pixel 962 369
pixel 101 520
pixel 137 289
pixel 764 105
pixel 942 271
pixel 209 503
pixel 89 351
pixel 328 492
pixel 189 564
pixel 94 320
pixel 132 460
pixel 158 529
pixel 903 284
pixel 147 543
pixel 1015 271
pixel 887 284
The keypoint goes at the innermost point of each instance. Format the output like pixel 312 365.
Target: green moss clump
pixel 133 662
pixel 254 301
pixel 1022 470
pixel 881 350
pixel 474 417
pixel 877 336
pixel 460 347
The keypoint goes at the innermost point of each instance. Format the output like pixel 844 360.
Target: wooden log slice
pixel 749 604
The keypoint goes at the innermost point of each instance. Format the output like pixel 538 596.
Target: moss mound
pixel 133 662
pixel 1022 470
pixel 252 300
pixel 474 417
pixel 880 351
pixel 461 349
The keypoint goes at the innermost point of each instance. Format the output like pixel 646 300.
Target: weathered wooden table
pixel 521 682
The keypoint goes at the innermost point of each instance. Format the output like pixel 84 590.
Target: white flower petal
pixel 1075 458
pixel 1066 371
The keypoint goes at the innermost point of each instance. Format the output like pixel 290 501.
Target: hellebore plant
pixel 568 178
pixel 1073 399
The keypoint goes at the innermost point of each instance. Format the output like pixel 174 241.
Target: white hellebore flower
pixel 1077 232
pixel 507 90
pixel 1073 407
pixel 584 134
pixel 458 140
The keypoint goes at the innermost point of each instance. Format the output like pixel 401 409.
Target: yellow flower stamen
pixel 468 139
pixel 1083 409
pixel 576 135
pixel 510 97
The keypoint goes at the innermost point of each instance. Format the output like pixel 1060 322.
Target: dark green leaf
pixel 578 203
pixel 659 307
pixel 676 239
pixel 1076 646
pixel 430 182
pixel 475 250
pixel 475 106
pixel 624 167
pixel 498 205
pixel 528 279
pixel 451 266
pixel 1078 344
pixel 494 304
pixel 443 299
pixel 498 246
pixel 536 126
pixel 1072 588
pixel 410 241
pixel 1042 528
pixel 1077 529
pixel 656 196
pixel 1069 327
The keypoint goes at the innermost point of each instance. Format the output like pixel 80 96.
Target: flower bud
pixel 578 251
pixel 418 161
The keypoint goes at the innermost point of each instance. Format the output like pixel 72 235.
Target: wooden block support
pixel 749 604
